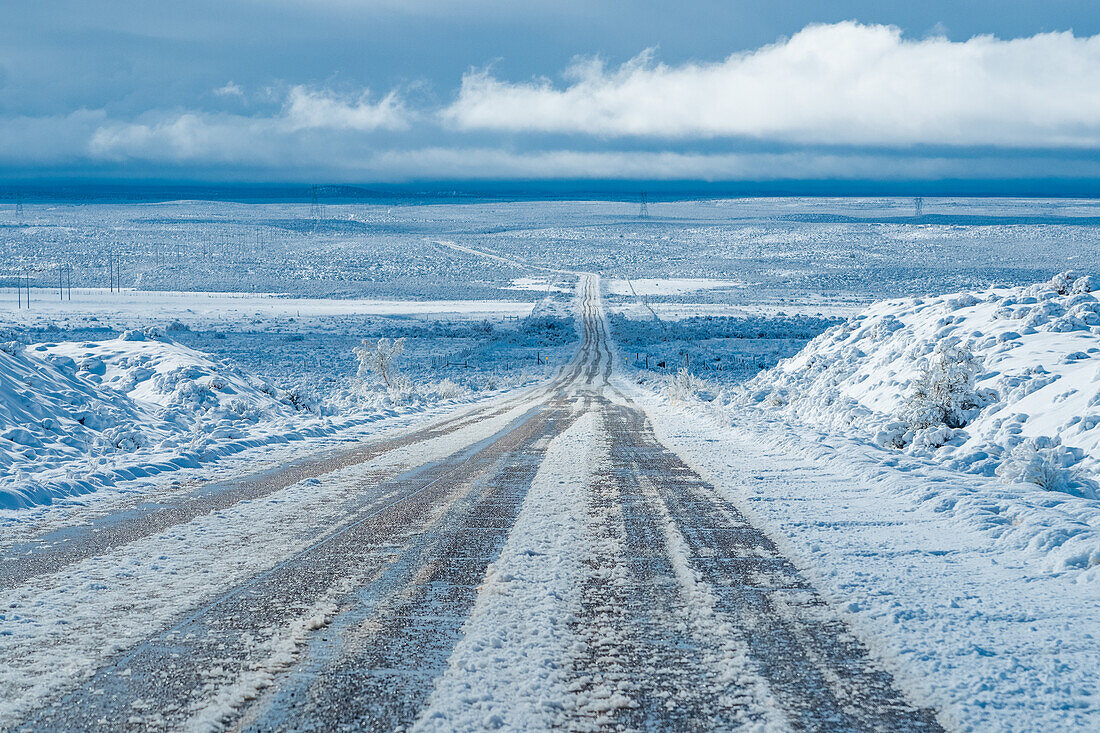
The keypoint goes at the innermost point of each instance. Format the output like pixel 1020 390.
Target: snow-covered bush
pixel 379 359
pixel 684 386
pixel 149 333
pixel 301 399
pixel 1048 464
pixel 1066 283
pixel 447 389
pixel 124 438
pixel 945 392
pixel 132 334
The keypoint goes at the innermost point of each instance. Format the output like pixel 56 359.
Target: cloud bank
pixel 229 138
pixel 841 101
pixel 846 83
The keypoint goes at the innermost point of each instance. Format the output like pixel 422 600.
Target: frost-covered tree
pixel 945 393
pixel 379 359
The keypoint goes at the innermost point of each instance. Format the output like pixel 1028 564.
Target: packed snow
pixel 933 569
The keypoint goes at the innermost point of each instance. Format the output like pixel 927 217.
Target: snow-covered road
pixel 540 562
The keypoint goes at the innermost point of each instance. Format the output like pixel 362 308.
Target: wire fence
pixel 729 363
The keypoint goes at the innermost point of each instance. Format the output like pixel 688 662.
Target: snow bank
pixel 1001 383
pixel 134 394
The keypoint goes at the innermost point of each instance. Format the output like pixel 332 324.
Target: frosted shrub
pixel 447 389
pixel 683 386
pixel 1049 465
pixel 945 393
pixel 122 438
pixel 301 399
pixel 1061 283
pixel 1067 283
pixel 379 359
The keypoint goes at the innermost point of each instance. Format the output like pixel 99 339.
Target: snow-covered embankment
pixel 1001 383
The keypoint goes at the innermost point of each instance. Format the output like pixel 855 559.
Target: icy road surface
pixel 542 562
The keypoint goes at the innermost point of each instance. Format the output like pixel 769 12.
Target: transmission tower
pixel 643 208
pixel 316 208
pixel 918 206
pixel 19 205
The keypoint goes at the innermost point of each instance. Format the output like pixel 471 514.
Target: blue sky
pixel 385 90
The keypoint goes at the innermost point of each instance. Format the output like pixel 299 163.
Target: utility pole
pixel 114 271
pixel 316 208
pixel 643 208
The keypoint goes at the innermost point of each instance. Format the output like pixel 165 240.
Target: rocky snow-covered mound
pixel 1003 382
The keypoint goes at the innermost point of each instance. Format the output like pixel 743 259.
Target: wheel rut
pixel 237 642
pixel 819 673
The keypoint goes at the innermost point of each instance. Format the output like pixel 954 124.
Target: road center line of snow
pixel 507 670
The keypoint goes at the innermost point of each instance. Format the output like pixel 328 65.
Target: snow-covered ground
pixel 956 582
pixel 932 465
pixel 132 308
pixel 670 286
pixel 109 388
pixel 1002 382
pixel 931 461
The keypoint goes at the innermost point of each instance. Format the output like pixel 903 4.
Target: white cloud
pixel 231 89
pixel 312 109
pixel 845 83
pixel 187 137
pixel 229 138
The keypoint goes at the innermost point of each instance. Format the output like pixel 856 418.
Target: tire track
pixel 231 641
pixel 380 660
pixel 818 671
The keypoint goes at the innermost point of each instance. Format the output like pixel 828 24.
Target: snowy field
pixel 762 251
pixel 909 405
pixel 479 291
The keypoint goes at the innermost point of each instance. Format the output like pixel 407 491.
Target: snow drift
pixel 69 400
pixel 1001 383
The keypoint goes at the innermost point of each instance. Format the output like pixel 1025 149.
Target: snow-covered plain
pixel 967 554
